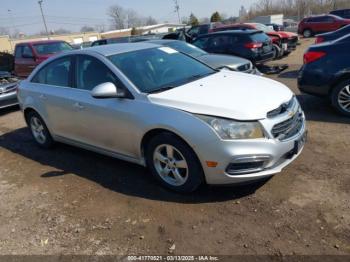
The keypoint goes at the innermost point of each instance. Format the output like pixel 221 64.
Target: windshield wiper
pixel 162 89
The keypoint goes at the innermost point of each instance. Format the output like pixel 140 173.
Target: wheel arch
pixel 156 131
pixel 339 79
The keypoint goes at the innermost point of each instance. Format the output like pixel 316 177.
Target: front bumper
pixel 272 153
pixel 8 99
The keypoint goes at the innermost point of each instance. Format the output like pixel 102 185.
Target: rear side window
pixel 201 42
pixel 220 43
pixel 56 73
pixel 91 72
pixel 259 37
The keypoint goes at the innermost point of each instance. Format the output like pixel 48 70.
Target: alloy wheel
pixel 37 129
pixel 170 164
pixel 344 98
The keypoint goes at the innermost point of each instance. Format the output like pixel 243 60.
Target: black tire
pixel 335 97
pixel 307 33
pixel 48 142
pixel 277 52
pixel 195 175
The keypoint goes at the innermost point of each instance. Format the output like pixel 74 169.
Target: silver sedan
pixel 157 107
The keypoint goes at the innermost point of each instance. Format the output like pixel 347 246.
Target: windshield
pixel 51 48
pixel 156 69
pixel 264 28
pixel 186 48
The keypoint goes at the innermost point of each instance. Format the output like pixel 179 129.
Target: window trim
pixel 70 76
pixel 119 83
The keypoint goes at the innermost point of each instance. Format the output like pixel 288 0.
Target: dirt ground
pixel 70 201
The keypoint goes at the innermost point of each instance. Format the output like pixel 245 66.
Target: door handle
pixel 42 96
pixel 78 106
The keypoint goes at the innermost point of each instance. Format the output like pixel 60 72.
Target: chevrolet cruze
pixel 157 107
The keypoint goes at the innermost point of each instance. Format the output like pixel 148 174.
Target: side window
pixel 328 19
pixel 57 73
pixel 27 52
pixel 194 30
pixel 18 52
pixel 201 42
pixel 219 44
pixel 91 72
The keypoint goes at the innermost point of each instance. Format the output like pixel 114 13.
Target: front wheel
pixel 341 98
pixel 173 163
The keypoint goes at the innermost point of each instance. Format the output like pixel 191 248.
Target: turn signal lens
pixel 211 163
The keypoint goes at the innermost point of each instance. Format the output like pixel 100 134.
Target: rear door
pixel 53 91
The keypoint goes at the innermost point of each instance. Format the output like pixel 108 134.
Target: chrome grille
pixel 282 108
pixel 289 127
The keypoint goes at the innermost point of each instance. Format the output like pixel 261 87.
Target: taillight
pixel 312 56
pixel 253 45
pixel 319 39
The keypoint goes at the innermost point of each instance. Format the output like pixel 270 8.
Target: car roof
pixel 163 41
pixel 234 32
pixel 41 42
pixel 113 49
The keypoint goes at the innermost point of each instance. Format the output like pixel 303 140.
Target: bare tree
pixel 133 19
pixel 4 31
pixel 151 21
pixel 117 15
pixel 86 29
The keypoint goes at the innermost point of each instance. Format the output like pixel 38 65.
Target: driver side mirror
pixel 107 90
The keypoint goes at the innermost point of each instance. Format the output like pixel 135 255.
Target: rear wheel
pixel 173 163
pixel 278 52
pixel 341 97
pixel 307 33
pixel 39 130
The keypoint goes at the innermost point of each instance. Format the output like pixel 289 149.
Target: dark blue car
pixel 326 72
pixel 253 45
pixel 333 35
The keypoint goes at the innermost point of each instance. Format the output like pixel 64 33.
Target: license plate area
pixel 298 145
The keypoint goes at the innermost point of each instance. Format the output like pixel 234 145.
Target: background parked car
pixel 233 63
pixel 330 36
pixel 326 72
pixel 321 24
pixel 253 45
pixel 30 54
pixel 276 27
pixel 8 85
pixel 127 39
pixel 283 42
pixel 344 13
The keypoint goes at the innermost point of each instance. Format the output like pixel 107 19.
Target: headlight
pixel 229 129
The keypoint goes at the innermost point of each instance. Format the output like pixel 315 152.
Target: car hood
pixel 282 34
pixel 219 61
pixel 227 94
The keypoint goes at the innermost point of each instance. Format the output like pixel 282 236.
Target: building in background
pixel 269 19
pixel 150 29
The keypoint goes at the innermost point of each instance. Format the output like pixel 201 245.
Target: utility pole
pixel 40 2
pixel 11 29
pixel 177 10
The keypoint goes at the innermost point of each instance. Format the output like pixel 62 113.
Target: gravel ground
pixel 70 201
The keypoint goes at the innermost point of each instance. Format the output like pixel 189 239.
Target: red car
pixel 321 24
pixel 284 42
pixel 30 54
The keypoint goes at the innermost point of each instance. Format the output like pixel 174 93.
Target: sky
pixel 24 15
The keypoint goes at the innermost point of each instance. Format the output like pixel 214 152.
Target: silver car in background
pixel 157 107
